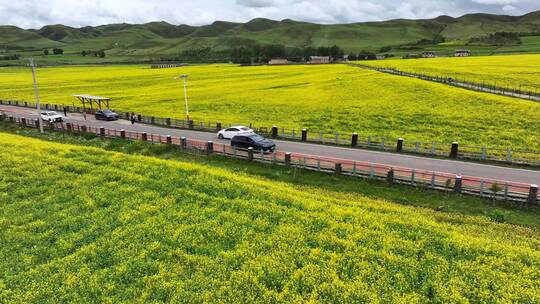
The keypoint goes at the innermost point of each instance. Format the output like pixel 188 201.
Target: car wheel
pixel 220 136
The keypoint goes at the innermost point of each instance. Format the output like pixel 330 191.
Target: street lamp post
pixel 33 66
pixel 185 94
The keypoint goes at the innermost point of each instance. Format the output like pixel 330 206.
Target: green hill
pixel 155 39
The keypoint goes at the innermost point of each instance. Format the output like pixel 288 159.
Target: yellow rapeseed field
pixel 85 225
pixel 330 98
pixel 509 71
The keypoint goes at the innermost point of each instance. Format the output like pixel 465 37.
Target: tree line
pixel 497 39
pixel 10 57
pixel 56 51
pixel 264 53
pixel 100 53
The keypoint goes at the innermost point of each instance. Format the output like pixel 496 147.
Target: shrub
pixel 497 216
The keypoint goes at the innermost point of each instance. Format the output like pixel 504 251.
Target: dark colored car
pixel 106 115
pixel 255 141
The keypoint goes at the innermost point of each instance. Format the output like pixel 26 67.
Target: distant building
pixel 428 54
pixel 319 59
pixel 278 61
pixel 462 53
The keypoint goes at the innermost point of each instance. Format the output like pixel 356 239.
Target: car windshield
pixel 52 113
pixel 244 129
pixel 257 138
pixel 108 112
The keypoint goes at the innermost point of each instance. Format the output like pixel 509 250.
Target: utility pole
pixel 185 94
pixel 33 66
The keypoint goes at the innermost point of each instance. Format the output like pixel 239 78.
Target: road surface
pixel 392 159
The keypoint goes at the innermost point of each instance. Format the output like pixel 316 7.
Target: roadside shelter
pixel 93 102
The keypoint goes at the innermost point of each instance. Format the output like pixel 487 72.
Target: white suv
pixel 233 131
pixel 51 116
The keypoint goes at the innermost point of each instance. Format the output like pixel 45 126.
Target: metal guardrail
pixel 398 145
pixel 489 188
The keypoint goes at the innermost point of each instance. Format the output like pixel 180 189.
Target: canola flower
pixel 329 98
pixel 510 71
pixel 83 224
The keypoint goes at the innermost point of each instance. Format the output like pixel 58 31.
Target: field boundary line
pixel 473 86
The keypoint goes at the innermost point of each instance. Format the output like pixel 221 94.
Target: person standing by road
pixel 65 111
pixel 133 119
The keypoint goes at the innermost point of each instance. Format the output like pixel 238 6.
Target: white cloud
pixel 36 13
pixel 256 3
pixel 496 2
pixel 509 9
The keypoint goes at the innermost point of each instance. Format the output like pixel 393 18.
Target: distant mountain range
pixel 162 38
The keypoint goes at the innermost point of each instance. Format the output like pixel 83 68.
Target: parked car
pixel 255 141
pixel 51 116
pixel 106 115
pixel 233 131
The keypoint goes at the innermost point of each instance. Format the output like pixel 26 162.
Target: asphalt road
pixel 392 159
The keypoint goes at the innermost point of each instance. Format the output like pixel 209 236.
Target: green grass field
pixel 84 224
pixel 505 71
pixel 329 98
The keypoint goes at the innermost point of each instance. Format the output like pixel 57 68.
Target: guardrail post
pixel 123 133
pixel 101 131
pixel 399 147
pixel 338 168
pixel 183 142
pixel 250 153
pixel 209 147
pixel 190 124
pixel 354 140
pixel 304 134
pixel 458 184
pixel 390 176
pixel 218 126
pixel 287 159
pixel 455 149
pixel 533 195
pixel 274 132
pixel 144 136
pixel 169 140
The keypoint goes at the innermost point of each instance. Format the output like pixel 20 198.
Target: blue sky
pixel 34 14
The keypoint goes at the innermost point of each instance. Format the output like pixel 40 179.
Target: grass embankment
pixel 327 98
pixel 82 224
pixel 503 71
